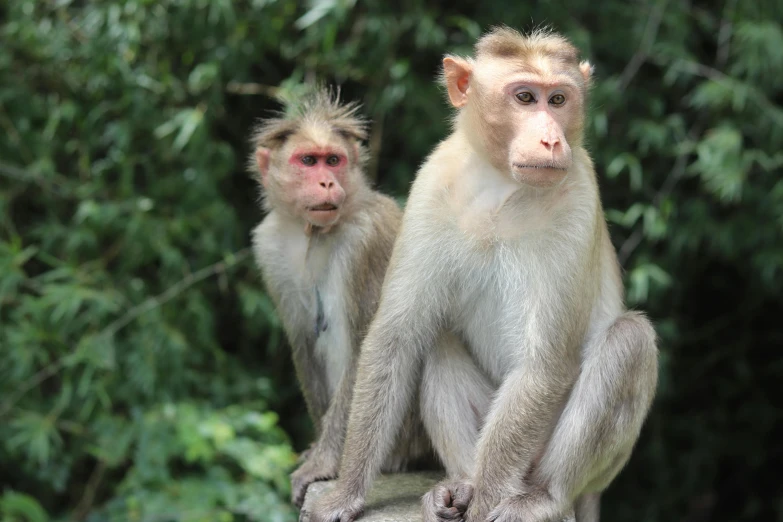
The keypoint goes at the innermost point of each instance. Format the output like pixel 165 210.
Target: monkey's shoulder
pixel 277 239
pixel 385 215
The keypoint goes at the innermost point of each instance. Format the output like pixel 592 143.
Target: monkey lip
pixel 323 207
pixel 545 166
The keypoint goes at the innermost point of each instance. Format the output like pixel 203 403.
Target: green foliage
pixel 142 360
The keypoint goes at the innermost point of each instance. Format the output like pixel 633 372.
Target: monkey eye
pixel 332 160
pixel 525 97
pixel 557 100
pixel 308 160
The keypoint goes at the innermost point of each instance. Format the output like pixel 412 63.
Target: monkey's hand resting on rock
pixel 334 507
pixel 317 465
pixel 447 501
pixel 304 455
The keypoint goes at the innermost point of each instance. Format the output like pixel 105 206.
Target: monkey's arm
pixel 406 324
pixel 323 461
pixel 525 409
pixel 364 289
pixel 309 373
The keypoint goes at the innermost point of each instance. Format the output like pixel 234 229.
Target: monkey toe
pixel 462 496
pixel 529 508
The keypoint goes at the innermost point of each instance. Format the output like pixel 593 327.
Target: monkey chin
pixel 539 176
pixel 323 218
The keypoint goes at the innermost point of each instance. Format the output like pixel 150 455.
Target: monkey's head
pixel 309 161
pixel 521 102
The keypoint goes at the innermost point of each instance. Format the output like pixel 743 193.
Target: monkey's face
pixel 317 176
pixel 307 178
pixel 524 113
pixel 532 112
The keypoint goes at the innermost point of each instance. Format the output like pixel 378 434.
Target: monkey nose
pixel 550 144
pixel 327 184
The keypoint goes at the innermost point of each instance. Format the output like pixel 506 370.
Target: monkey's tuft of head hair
pixel 321 106
pixel 505 42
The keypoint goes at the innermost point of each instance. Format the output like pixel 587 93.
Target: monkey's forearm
pixel 518 427
pixel 311 382
pixel 335 420
pixel 382 393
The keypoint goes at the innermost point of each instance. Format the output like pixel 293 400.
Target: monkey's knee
pixel 634 337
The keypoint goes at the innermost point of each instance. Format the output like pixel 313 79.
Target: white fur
pixel 293 264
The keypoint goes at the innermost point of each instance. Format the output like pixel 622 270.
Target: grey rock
pixel 393 498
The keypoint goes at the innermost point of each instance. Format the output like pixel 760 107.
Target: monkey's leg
pixel 588 507
pixel 598 427
pixel 455 397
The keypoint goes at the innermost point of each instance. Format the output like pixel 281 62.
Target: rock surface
pixel 393 498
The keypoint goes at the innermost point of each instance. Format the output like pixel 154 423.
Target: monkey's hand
pixel 304 455
pixel 448 500
pixel 316 466
pixel 335 506
pixel 530 508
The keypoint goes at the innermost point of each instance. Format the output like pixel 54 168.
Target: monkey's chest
pixel 495 311
pixel 308 276
pixel 328 322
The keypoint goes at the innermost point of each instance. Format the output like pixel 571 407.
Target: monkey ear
pixel 262 162
pixel 587 70
pixel 456 75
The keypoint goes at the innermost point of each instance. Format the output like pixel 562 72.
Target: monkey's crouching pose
pixel 323 250
pixel 502 311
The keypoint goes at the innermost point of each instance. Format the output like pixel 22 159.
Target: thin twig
pixel 705 71
pixel 173 291
pixel 677 171
pixel 724 34
pixel 643 52
pixel 138 310
pixel 13 133
pixel 90 489
pixel 376 142
pixel 251 89
pixel 19 174
pixel 43 374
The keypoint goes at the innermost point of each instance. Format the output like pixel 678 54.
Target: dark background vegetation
pixel 143 373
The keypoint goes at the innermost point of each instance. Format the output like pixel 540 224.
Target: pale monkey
pixel 502 310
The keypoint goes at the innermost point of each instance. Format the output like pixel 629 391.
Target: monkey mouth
pixel 323 207
pixel 542 166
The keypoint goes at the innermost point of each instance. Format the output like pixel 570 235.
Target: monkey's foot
pixel 315 468
pixel 448 500
pixel 537 507
pixel 334 507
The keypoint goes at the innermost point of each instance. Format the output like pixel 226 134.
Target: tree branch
pixel 147 305
pixel 174 290
pixel 643 52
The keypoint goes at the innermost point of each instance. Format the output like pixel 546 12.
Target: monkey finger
pixel 298 493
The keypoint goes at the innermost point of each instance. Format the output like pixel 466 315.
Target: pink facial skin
pixel 320 174
pixel 540 154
